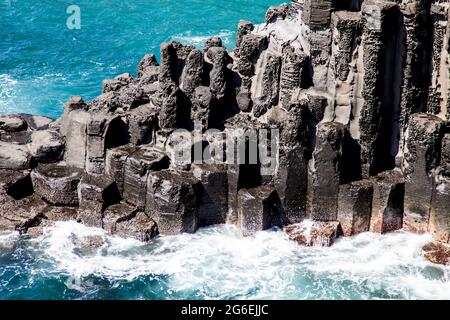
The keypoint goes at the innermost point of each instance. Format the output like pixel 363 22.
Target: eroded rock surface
pixel 354 94
pixel 314 233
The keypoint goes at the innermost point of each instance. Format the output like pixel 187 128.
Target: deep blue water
pixel 43 63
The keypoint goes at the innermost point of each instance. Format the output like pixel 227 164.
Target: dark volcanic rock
pixel 316 101
pixel 137 167
pixel 15 157
pixel 213 42
pixel 244 100
pixel 147 63
pixel 387 203
pixel 74 127
pixel 116 212
pixel 47 146
pixel 100 134
pixel 116 158
pixel 16 137
pixel 293 66
pixel 74 103
pixel 126 221
pixel 323 103
pixel 269 86
pixel 169 114
pixel 118 82
pixel 248 52
pixel 244 28
pixel 36 122
pixel 192 74
pixel 277 12
pixel 439 224
pixel 138 226
pixel 201 106
pixel 50 215
pixel 348 28
pixel 95 194
pixel 218 56
pixel 324 175
pixel 291 177
pixel 437 252
pixel 445 155
pixel 317 13
pixel 212 194
pixel 12 123
pixel 142 124
pixel 57 184
pixel 415 76
pixel 258 209
pixel 314 233
pixel 16 184
pixel 172 201
pixel 20 215
pixel 381 87
pixel 422 152
pixel 355 207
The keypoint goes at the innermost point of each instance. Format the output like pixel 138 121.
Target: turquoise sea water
pixel 216 263
pixel 42 63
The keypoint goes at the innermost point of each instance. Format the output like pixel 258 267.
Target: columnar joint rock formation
pixel 354 95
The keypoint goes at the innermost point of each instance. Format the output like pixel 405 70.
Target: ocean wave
pixel 7 92
pixel 219 263
pixel 199 40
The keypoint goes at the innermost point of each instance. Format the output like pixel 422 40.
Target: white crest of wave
pixel 199 40
pixel 7 91
pixel 220 263
pixel 8 237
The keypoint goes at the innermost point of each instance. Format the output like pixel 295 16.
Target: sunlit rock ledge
pixel 358 91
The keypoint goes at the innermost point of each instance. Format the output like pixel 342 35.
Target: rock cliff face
pixel 358 91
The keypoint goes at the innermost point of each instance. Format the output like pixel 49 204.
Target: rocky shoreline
pixel 357 92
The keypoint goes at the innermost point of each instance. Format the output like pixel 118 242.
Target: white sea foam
pixel 7 237
pixel 218 262
pixel 199 40
pixel 7 92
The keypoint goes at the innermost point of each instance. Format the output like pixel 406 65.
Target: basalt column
pixel 439 224
pixel 381 41
pixel 324 172
pixel 440 77
pixel 98 139
pixel 169 98
pixel 292 69
pixel 267 84
pixel 343 74
pixel 416 16
pixel 291 178
pixel 248 53
pixel 422 153
pixel 317 13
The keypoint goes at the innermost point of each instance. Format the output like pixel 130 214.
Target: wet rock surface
pixel 258 209
pixel 422 154
pixel 356 93
pixel 387 202
pixel 57 184
pixel 314 233
pixel 95 194
pixel 355 207
pixel 437 253
pixel 325 172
